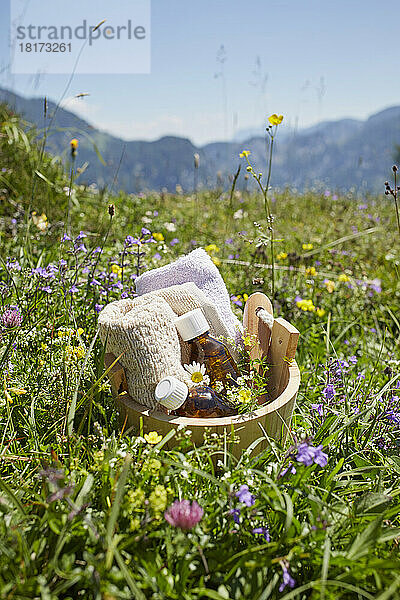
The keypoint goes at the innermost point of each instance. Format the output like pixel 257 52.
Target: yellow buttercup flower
pixel 216 261
pixel 244 395
pixel 275 119
pixel 211 248
pixel 343 277
pixel 320 312
pixel 80 331
pixel 158 237
pixel 311 271
pixel 281 256
pixel 244 154
pixel 116 269
pixel 330 285
pixel 152 438
pixel 306 305
pixel 307 246
pixel 74 144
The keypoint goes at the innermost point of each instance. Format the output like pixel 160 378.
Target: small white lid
pixel 192 324
pixel 171 393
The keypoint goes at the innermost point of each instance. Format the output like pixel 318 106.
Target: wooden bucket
pixel 273 418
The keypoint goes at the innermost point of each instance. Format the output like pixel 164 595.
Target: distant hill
pixel 339 155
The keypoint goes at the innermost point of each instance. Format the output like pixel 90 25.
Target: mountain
pixel 340 155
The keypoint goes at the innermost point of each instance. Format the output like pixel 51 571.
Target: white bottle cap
pixel 171 393
pixel 192 324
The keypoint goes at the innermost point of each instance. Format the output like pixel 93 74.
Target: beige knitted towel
pixel 143 331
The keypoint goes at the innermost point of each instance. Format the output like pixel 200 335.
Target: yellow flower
pixel 244 395
pixel 80 352
pixel 74 144
pixel 343 277
pixel 306 305
pixel 245 297
pixel 116 269
pixel 80 331
pixel 158 237
pixel 307 246
pixel 216 261
pixel 281 256
pixel 311 271
pixel 249 340
pixel 152 438
pixel 244 154
pixel 320 312
pixel 330 285
pixel 18 391
pixel 211 248
pixel 275 119
pixel 41 222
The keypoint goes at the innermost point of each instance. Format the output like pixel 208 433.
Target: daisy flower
pixel 197 374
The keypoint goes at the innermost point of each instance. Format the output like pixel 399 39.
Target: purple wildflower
pixel 308 455
pixel 130 241
pixel 174 242
pixel 65 238
pixel 290 468
pixel 80 236
pixel 287 580
pixel 183 514
pixel 245 496
pixel 157 256
pixel 305 454
pixel 236 301
pixel 11 317
pixel 262 531
pixel 320 458
pixel 329 391
pixel 319 408
pixel 13 265
pixel 98 307
pixel 73 289
pixel 235 512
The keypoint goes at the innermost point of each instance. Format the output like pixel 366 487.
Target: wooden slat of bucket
pixel 281 353
pixel 254 327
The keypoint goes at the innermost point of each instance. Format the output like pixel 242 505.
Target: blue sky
pixel 318 60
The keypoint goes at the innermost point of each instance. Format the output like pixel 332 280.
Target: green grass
pixel 82 504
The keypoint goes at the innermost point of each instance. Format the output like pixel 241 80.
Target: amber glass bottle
pixel 194 328
pixel 200 401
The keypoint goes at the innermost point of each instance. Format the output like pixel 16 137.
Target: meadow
pixel 85 505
